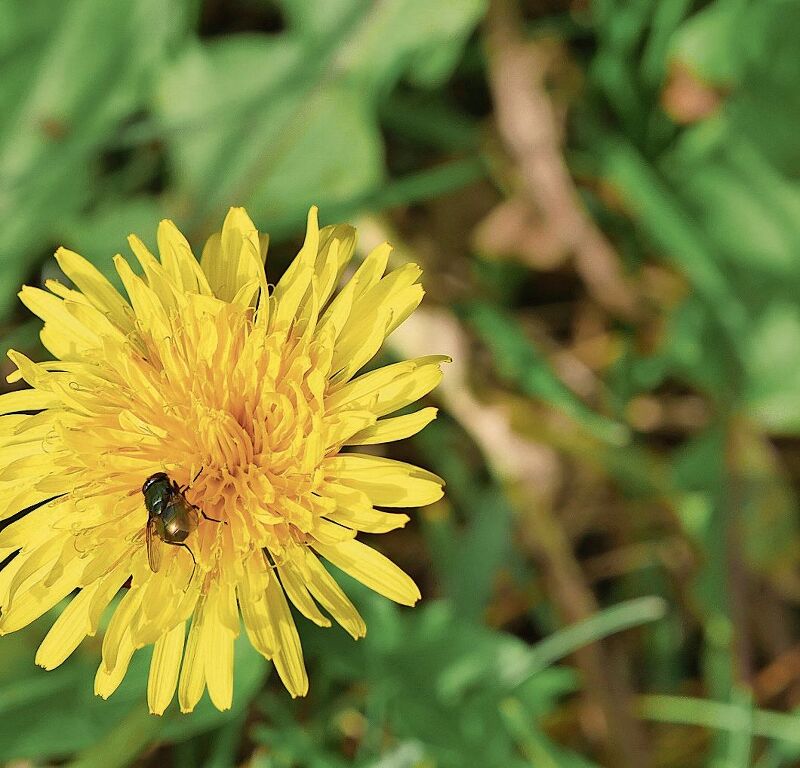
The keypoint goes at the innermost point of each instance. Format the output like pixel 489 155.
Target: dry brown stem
pixel 529 127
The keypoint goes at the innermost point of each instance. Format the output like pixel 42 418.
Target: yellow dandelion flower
pixel 243 398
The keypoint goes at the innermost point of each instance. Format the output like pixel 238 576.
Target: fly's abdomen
pixel 179 521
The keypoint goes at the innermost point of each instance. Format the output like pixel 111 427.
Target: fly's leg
pixel 205 516
pixel 185 488
pixel 212 519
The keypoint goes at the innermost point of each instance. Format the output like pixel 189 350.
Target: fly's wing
pixel 154 546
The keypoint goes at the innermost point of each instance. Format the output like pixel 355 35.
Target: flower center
pixel 249 422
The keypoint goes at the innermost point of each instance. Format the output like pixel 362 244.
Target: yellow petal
pixel 299 595
pixel 29 468
pixel 119 627
pixel 372 569
pixel 400 291
pixel 329 532
pixel 61 290
pixel 193 679
pixel 164 668
pixel 30 530
pixel 155 274
pixel 27 400
pixel 179 261
pixel 337 315
pixel 233 257
pixel 28 434
pixel 357 349
pixel 343 425
pixel 257 625
pixel 158 611
pixel 96 287
pixel 397 428
pixel 107 679
pixel 25 447
pixel 36 563
pixel 297 278
pixel 387 482
pixel 146 303
pixel 36 599
pixel 331 597
pixel 344 496
pixel 69 629
pixel 368 520
pixel 370 271
pixel 252 599
pixel 387 389
pixel 109 585
pixel 336 246
pixel 63 335
pixel 101 324
pixel 388 302
pixel 288 656
pixel 219 650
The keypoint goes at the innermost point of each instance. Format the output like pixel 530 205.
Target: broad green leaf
pixel 274 142
pixel 279 122
pixel 389 38
pixel 98 235
pixel 426 677
pixel 47 715
pixel 773 358
pixel 82 68
pixel 707 42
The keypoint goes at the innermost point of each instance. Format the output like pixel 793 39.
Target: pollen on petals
pixel 243 397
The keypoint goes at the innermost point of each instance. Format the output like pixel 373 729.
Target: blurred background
pixel 605 197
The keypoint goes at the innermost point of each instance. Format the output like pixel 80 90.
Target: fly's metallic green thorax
pixel 158 489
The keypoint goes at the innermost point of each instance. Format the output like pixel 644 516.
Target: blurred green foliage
pixel 669 437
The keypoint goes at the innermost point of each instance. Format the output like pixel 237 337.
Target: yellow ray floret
pixel 244 398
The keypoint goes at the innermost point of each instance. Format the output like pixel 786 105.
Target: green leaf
pixel 655 205
pixel 48 715
pixel 271 141
pixel 82 69
pixel 773 359
pixel 389 39
pixel 99 235
pixel 277 123
pixel 609 621
pixel 706 42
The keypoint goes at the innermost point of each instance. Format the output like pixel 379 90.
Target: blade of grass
pixel 717 715
pixel 741 741
pixel 661 215
pixel 631 613
pixel 529 742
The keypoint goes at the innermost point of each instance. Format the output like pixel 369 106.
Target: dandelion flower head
pixel 244 396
